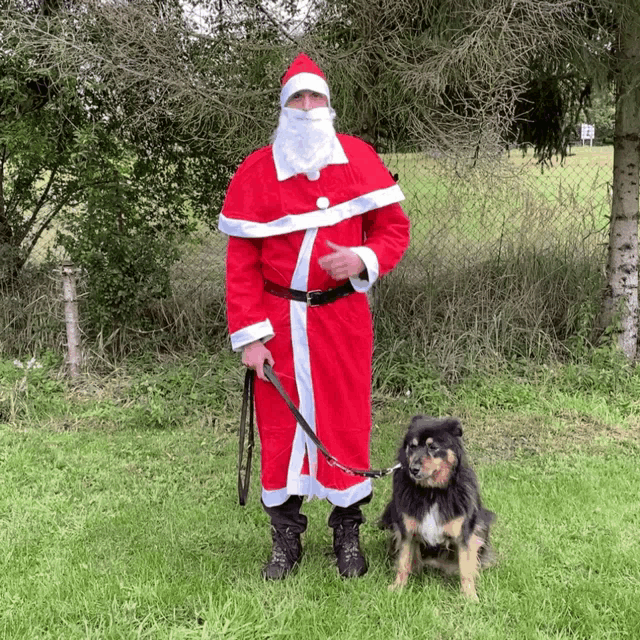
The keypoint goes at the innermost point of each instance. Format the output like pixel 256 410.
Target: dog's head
pixel 432 451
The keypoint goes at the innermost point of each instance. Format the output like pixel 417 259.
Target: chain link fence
pixel 471 224
pixel 464 212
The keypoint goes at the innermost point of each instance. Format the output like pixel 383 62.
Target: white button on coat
pixel 322 202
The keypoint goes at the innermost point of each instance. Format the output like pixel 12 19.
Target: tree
pixel 620 304
pixel 185 99
pixel 37 122
pixel 472 75
pixel 73 144
pixel 436 75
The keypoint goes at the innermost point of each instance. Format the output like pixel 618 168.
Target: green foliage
pixel 601 112
pixel 543 119
pixel 37 122
pixel 30 389
pixel 200 392
pixel 522 305
pixel 126 248
pixel 75 158
pixel 30 318
pixel 172 395
pixel 124 275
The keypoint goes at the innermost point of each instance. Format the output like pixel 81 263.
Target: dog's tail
pixel 487 556
pixel 486 517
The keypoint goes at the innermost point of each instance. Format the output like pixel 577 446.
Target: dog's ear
pixel 401 455
pixel 419 421
pixel 416 419
pixel 415 423
pixel 453 426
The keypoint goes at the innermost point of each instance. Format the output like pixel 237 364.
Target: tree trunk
pixel 620 306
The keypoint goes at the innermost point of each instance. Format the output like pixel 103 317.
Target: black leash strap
pixel 247 405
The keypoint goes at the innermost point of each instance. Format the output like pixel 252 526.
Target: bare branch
pixel 26 226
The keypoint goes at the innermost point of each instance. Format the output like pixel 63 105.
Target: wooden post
pixel 71 318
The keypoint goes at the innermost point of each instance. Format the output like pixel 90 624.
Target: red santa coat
pixel 278 228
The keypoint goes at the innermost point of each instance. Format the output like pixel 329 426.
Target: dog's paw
pixel 398 584
pixel 469 592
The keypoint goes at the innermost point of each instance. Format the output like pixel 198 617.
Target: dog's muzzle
pixel 415 469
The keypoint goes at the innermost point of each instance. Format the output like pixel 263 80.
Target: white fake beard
pixel 305 138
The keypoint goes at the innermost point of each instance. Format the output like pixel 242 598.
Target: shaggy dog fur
pixel 435 512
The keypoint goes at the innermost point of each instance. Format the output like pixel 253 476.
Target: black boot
pixel 287 523
pixel 346 546
pixel 285 553
pixel 346 522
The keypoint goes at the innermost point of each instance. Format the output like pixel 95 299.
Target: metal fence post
pixel 71 318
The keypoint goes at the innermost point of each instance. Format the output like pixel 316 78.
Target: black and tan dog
pixel 435 511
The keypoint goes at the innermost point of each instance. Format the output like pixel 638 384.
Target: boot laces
pixel 348 542
pixel 285 548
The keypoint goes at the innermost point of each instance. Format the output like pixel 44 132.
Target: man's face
pixel 306 100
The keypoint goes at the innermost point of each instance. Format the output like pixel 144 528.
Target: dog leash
pixel 247 407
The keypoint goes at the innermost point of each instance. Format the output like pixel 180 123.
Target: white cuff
pixel 259 331
pixel 372 266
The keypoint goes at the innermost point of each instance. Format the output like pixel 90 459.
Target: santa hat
pixel 303 74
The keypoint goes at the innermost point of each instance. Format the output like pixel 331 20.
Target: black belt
pixel 312 298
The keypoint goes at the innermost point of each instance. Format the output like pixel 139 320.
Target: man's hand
pixel 342 263
pixel 254 356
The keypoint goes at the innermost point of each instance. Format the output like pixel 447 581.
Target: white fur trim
pixel 297 483
pixel 274 497
pixel 302 369
pixel 307 486
pixel 347 497
pixel 304 81
pixel 318 218
pixel 372 266
pixel 259 331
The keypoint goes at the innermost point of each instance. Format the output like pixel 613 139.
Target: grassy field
pixel 118 510
pixel 119 516
pixel 465 213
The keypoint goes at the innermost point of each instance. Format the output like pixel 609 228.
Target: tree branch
pixel 26 226
pixel 276 24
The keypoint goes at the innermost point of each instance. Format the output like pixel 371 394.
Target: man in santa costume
pixel 313 221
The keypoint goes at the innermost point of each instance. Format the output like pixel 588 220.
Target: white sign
pixel 587 132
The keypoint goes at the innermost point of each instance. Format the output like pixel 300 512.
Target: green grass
pixel 119 515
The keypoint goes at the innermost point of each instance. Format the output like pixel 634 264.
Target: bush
pixel 526 305
pixel 126 246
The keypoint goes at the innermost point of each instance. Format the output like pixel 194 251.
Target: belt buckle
pixel 310 302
